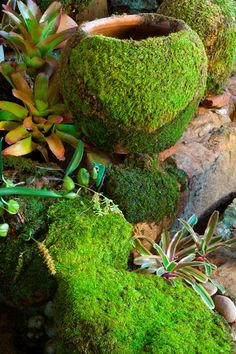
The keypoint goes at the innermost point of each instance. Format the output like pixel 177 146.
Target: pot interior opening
pixel 133 27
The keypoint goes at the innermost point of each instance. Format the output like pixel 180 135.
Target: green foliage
pixel 184 256
pixel 68 5
pixel 41 121
pixel 34 34
pixel 138 94
pixel 100 307
pixel 142 195
pixel 214 21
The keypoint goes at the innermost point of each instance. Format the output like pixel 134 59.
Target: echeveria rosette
pixel 34 34
pixel 41 122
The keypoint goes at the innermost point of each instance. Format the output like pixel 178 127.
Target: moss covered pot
pixel 133 81
pixel 214 21
pixel 101 307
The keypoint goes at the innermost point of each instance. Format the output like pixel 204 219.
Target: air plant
pixel 41 121
pixel 34 35
pixel 184 256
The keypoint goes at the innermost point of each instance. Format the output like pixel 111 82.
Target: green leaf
pixel 21 84
pixel 51 27
pixel 210 230
pixel 165 240
pixel 27 100
pixel 22 147
pixel 16 134
pixel 204 295
pixel 218 285
pixel 190 230
pixel 47 45
pixel 67 138
pixel 34 9
pixel 140 247
pixel 14 108
pixel 197 274
pixel 4 230
pixel 173 244
pixel 1 161
pixel 51 11
pixel 41 86
pixel 13 206
pixel 83 176
pixel 192 221
pixel 24 10
pixel 165 260
pixel 68 184
pixel 76 158
pixel 101 171
pixel 171 266
pixel 8 125
pixel 30 192
pixel 56 146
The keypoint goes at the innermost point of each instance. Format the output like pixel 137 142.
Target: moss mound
pixel 214 21
pixel 142 195
pixel 136 93
pixel 68 5
pixel 100 307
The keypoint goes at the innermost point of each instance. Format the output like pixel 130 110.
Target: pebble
pixel 225 307
pixel 48 310
pixel 210 288
pixel 50 347
pixel 35 334
pixel 50 329
pixel 36 321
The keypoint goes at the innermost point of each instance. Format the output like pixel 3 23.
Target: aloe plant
pixel 34 35
pixel 184 256
pixel 41 121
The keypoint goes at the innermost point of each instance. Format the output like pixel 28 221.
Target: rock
pixel 207 154
pixel 210 288
pixel 35 334
pixel 233 329
pixel 48 310
pixel 36 322
pixel 50 329
pixel 226 276
pixel 50 347
pixel 217 101
pixel 225 307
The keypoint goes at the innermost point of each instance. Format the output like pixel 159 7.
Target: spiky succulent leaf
pixel 165 240
pixel 34 9
pixel 56 146
pixel 41 87
pixel 206 298
pixel 192 221
pixel 173 244
pixel 190 230
pixel 22 147
pixel 18 111
pixel 16 134
pixel 210 230
pixel 165 260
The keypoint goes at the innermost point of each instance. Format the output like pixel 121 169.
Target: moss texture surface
pixel 142 195
pixel 214 21
pixel 134 93
pixel 68 5
pixel 100 307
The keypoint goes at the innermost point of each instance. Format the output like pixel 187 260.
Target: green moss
pixel 139 94
pixel 68 5
pixel 100 307
pixel 142 195
pixel 214 21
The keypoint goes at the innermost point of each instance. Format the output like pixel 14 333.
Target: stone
pixel 233 331
pixel 226 276
pixel 225 307
pixel 210 288
pixel 50 347
pixel 217 101
pixel 36 322
pixel 207 154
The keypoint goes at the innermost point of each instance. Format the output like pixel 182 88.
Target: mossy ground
pixel 142 195
pixel 130 92
pixel 100 307
pixel 214 21
pixel 68 5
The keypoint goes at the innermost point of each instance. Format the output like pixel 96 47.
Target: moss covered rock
pixel 142 195
pixel 137 84
pixel 68 5
pixel 214 21
pixel 100 307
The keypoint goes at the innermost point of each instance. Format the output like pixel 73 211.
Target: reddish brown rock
pixel 225 307
pixel 217 101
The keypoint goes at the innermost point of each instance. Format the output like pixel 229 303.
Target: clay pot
pixel 133 81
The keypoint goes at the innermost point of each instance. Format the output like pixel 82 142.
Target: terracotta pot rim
pixel 135 27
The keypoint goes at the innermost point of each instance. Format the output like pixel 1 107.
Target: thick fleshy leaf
pixel 28 123
pixel 218 285
pixel 58 108
pixel 47 45
pixel 51 11
pixel 76 158
pixel 20 132
pixel 34 62
pixel 14 108
pixel 1 163
pixel 210 230
pixel 55 119
pixel 34 9
pixel 165 260
pixel 67 138
pixel 24 10
pixel 15 18
pixel 7 116
pixel 21 148
pixel 190 230
pixel 14 39
pixel 21 84
pixel 197 274
pixel 51 26
pixel 140 248
pixel 192 221
pixel 184 242
pixel 41 105
pixel 34 28
pixel 171 266
pixel 204 295
pixel 7 70
pixel 101 171
pixel 188 258
pixel 56 146
pixel 99 157
pixel 68 128
pixel 26 99
pixel 148 260
pixel 41 87
pixel 173 244
pixel 186 251
pixel 165 240
pixel 5 21
pixel 8 125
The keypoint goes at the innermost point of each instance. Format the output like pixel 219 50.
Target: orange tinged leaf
pixel 22 147
pixel 56 146
pixel 14 108
pixel 16 134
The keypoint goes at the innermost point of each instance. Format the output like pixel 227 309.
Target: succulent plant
pixel 41 121
pixel 184 256
pixel 34 34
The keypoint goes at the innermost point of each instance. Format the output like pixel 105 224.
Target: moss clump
pixel 23 275
pixel 214 21
pixel 136 93
pixel 142 195
pixel 100 307
pixel 68 5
